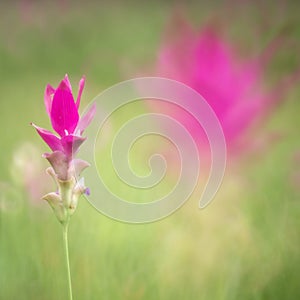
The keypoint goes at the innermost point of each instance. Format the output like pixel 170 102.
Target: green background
pixel 245 245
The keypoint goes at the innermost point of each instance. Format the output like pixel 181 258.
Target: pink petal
pixel 48 96
pixel 81 87
pixel 50 139
pixel 77 166
pixel 67 82
pixel 71 143
pixel 86 119
pixel 64 114
pixel 59 163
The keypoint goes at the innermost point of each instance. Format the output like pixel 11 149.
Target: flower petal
pixel 59 163
pixel 87 191
pixel 51 173
pixel 71 143
pixel 67 82
pixel 80 186
pixel 50 139
pixel 81 87
pixel 48 96
pixel 77 166
pixel 86 119
pixel 55 202
pixel 64 114
pixel 53 199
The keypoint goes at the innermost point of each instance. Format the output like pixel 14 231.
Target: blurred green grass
pixel 245 245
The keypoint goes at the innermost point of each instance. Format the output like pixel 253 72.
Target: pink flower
pixel 65 169
pixel 26 170
pixel 212 66
pixel 63 113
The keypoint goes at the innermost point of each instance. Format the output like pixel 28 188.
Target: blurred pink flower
pixel 213 66
pixel 26 171
pixel 63 113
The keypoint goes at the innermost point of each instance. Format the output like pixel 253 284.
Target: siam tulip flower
pixel 65 169
pixel 213 66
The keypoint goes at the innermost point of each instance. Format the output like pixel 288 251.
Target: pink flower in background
pixel 212 66
pixel 26 171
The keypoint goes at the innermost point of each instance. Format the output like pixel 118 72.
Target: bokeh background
pixel 244 245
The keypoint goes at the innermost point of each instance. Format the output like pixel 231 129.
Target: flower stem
pixel 66 248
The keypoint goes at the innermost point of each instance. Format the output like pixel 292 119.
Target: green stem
pixel 65 236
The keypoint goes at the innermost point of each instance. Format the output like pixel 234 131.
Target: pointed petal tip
pixel 65 84
pixel 48 96
pixel 49 89
pixel 66 78
pixel 49 138
pixel 86 119
pixel 80 89
pixel 38 129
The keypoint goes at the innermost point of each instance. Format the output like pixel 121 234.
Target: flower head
pixel 62 110
pixel 213 66
pixel 63 113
